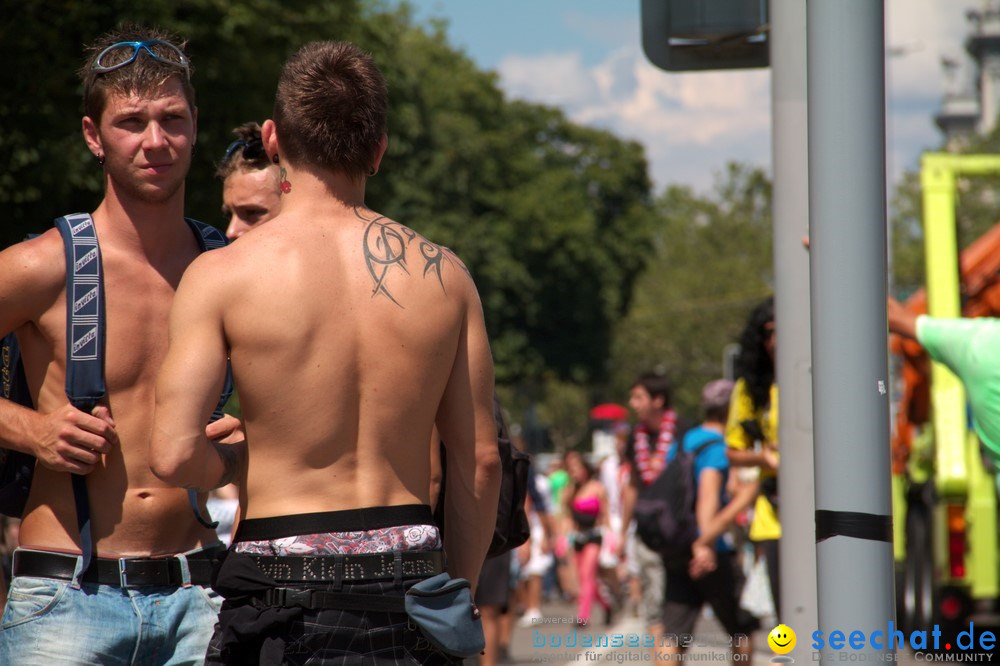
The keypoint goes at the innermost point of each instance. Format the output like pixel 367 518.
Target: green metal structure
pixel 945 506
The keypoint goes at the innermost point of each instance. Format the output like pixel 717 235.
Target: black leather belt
pixel 350 568
pixel 123 572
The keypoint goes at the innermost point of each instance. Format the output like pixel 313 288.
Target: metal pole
pixel 789 120
pixel 846 83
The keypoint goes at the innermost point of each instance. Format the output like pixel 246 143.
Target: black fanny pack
pixel 441 607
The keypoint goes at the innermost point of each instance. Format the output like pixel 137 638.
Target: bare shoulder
pixel 34 273
pixel 211 271
pixel 212 260
pixel 41 258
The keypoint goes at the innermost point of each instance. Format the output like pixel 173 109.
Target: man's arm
pixel 465 421
pixel 64 439
pixel 188 387
pixel 436 472
pixel 900 319
pixel 706 507
pixel 745 495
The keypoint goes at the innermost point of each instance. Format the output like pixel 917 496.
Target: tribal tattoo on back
pixel 385 246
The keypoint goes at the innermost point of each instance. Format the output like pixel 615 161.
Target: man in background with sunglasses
pixel 251 191
pixel 144 597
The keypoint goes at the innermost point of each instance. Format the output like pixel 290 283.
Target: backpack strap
pixel 210 238
pixel 85 335
pixel 85 338
pixel 696 451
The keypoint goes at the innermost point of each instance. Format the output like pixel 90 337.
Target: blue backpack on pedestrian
pixel 85 338
pixel 664 510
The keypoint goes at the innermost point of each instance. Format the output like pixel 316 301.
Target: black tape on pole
pixel 853 524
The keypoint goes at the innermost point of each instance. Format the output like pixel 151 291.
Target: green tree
pixel 906 244
pixel 565 407
pixel 711 265
pixel 550 217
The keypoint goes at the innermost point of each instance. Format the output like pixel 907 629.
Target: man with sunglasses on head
pixel 251 191
pixel 143 598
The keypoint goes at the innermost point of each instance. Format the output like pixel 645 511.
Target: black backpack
pixel 512 527
pixel 664 509
pixel 85 325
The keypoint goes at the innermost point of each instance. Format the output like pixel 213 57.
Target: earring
pixel 372 171
pixel 275 158
pixel 100 159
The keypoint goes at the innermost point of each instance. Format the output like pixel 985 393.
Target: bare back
pixel 343 335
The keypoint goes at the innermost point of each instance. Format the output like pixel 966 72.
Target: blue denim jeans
pixel 48 621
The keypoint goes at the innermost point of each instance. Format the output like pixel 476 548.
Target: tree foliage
pixel 546 214
pixel 711 264
pixel 906 253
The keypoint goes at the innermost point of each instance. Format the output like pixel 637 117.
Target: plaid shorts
pixel 257 634
pixel 348 637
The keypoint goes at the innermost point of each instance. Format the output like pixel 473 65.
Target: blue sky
pixel 585 57
pixel 490 31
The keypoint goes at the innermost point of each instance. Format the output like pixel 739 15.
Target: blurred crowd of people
pixel 584 549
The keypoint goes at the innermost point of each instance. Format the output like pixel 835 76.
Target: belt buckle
pixel 122 573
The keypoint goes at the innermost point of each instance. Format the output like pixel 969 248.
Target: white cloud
pixel 557 79
pixel 691 125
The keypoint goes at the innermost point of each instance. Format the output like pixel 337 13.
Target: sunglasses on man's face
pixel 121 54
pixel 253 149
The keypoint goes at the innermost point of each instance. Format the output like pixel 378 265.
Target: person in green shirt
pixel 971 349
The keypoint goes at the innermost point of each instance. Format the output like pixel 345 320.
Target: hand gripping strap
pixel 84 341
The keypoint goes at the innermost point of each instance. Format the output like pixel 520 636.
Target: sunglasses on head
pixel 117 56
pixel 253 149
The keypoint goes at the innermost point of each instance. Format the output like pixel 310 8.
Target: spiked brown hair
pixel 331 108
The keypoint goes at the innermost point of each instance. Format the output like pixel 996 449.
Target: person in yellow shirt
pixel 752 431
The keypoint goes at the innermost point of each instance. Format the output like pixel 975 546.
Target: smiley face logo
pixel 781 639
